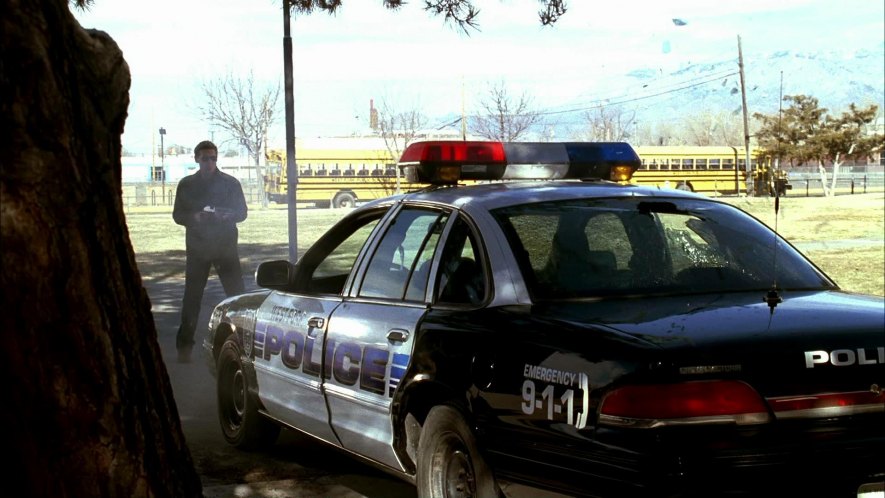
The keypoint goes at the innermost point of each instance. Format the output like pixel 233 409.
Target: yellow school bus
pixel 337 178
pixel 711 170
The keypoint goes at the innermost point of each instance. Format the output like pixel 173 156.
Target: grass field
pixel 843 235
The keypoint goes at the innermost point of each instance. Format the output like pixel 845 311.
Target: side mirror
pixel 277 275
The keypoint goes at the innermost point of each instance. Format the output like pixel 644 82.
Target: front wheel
pixel 449 462
pixel 241 424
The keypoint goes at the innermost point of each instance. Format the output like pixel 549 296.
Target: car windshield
pixel 615 247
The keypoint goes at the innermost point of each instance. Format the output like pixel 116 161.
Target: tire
pixel 344 200
pixel 449 462
pixel 684 186
pixel 241 424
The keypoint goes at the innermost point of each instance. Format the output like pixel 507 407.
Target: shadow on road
pixel 296 465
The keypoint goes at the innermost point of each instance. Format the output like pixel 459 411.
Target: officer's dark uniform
pixel 212 242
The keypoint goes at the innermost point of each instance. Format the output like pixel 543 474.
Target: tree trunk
pixel 89 409
pixel 823 178
pixel 259 173
pixel 836 165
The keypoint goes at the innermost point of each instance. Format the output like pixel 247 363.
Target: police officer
pixel 209 203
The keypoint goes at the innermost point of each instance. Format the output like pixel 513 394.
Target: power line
pixel 694 82
pixel 606 102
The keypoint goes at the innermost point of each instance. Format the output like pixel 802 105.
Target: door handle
pixel 398 335
pixel 316 322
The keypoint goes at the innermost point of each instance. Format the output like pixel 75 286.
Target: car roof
pixel 493 195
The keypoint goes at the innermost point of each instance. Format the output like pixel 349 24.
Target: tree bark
pixel 89 409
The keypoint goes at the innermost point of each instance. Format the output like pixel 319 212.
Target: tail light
pixel 830 404
pixel 684 403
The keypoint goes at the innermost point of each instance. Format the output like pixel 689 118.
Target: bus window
pixel 714 164
pixel 700 164
pixel 728 164
pixel 687 164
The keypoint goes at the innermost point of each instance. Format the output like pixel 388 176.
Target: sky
pixel 411 59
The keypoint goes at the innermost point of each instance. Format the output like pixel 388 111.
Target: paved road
pixel 296 466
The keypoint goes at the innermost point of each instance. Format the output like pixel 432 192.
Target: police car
pixel 552 327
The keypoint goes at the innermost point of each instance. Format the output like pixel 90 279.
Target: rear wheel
pixel 344 200
pixel 449 462
pixel 241 424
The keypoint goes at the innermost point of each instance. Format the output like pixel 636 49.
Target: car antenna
pixel 772 298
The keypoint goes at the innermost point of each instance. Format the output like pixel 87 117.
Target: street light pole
pixel 291 169
pixel 163 162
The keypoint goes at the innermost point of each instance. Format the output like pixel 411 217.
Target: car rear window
pixel 615 247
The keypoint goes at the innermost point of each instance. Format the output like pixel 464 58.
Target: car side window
pixel 333 256
pixel 398 268
pixel 461 278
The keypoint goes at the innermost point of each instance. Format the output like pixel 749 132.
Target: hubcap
pixel 239 394
pixel 457 479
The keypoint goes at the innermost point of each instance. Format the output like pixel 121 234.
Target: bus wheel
pixel 344 200
pixel 684 186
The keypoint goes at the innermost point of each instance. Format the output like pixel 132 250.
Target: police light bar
pixel 447 162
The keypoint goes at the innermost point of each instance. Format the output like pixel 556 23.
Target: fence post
pixel 865 184
pixel 153 197
pixel 807 181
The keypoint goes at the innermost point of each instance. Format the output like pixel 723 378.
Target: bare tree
pixel 245 111
pixel 399 127
pixel 503 117
pixel 659 133
pixel 607 124
pixel 722 128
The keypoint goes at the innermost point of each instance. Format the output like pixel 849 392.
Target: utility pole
pixel 291 170
pixel 163 162
pixel 746 122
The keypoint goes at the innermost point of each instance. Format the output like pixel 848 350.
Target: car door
pixel 291 328
pixel 371 335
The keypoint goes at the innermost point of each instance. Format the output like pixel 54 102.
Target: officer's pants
pixel 227 264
